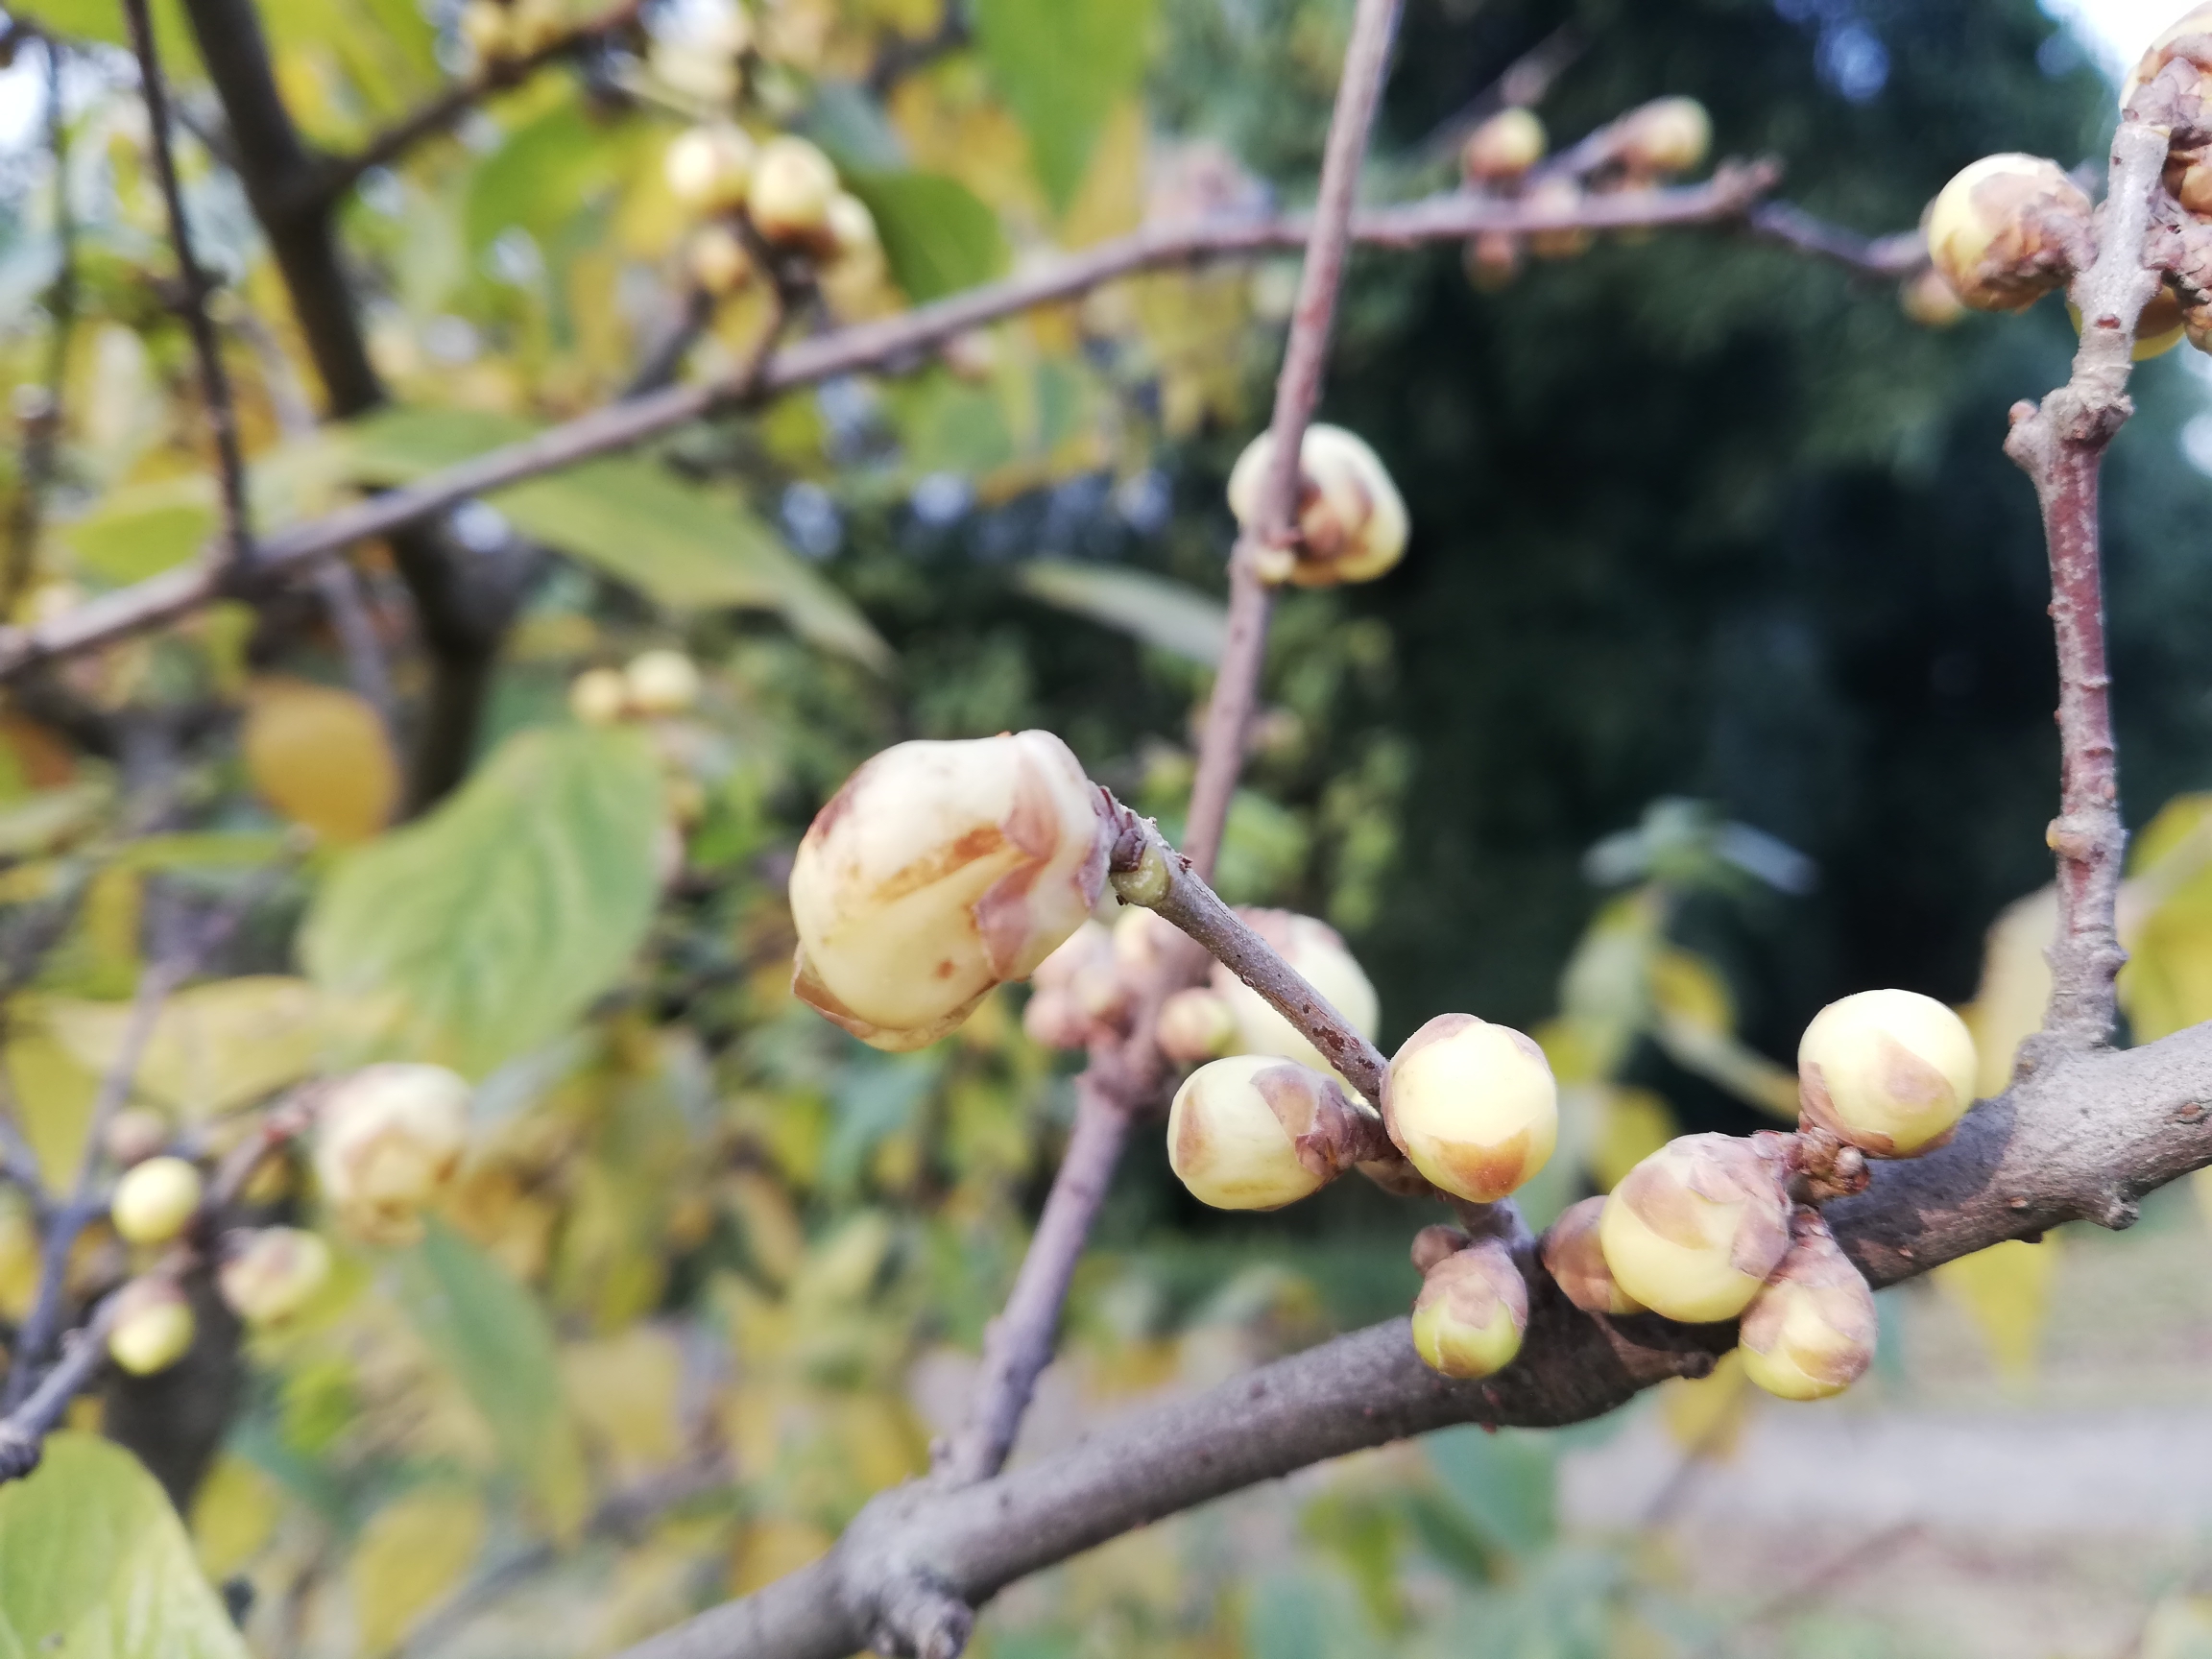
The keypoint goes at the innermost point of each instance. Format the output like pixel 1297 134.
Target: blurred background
pixel 1716 684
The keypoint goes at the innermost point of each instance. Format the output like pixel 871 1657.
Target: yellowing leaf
pixel 2008 1007
pixel 1686 987
pixel 1705 1415
pixel 2005 1291
pixel 625 1393
pixel 1632 1124
pixel 768 1548
pixel 215 1047
pixel 411 1551
pixel 233 1514
pixel 319 757
pixel 54 1094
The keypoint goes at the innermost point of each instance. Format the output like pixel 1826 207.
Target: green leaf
pixel 494 1336
pixel 142 529
pixel 1156 610
pixel 480 932
pixel 938 235
pixel 1061 64
pixel 542 176
pixel 1503 1482
pixel 681 545
pixel 95 1565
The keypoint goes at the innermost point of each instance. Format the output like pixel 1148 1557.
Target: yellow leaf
pixel 411 1551
pixel 1632 1124
pixel 214 1048
pixel 768 1548
pixel 1686 988
pixel 625 1393
pixel 2007 1009
pixel 1111 200
pixel 774 1239
pixel 54 1094
pixel 233 1514
pixel 319 757
pixel 843 1268
pixel 1705 1415
pixel 2005 1291
pixel 18 1256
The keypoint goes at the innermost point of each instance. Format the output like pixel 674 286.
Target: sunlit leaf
pixel 143 529
pixel 2005 1291
pixel 54 1094
pixel 233 1514
pixel 95 1565
pixel 214 1048
pixel 411 1551
pixel 1063 64
pixel 320 756
pixel 1705 1415
pixel 938 235
pixel 1155 609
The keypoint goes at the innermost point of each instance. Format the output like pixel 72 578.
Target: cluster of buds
pixel 939 872
pixel 1226 1016
pixel 655 685
pixel 2184 304
pixel 778 196
pixel 498 32
pixel 388 1141
pixel 1350 524
pixel 1256 1133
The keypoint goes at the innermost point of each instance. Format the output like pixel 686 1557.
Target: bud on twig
pixel 661 683
pixel 1809 1331
pixel 1471 1314
pixel 2197 20
pixel 387 1141
pixel 1503 147
pixel 599 696
pixel 1197 1025
pixel 709 166
pixel 154 1200
pixel 1432 1243
pixel 1666 135
pixel 1352 524
pixel 273 1272
pixel 152 1328
pixel 1257 1133
pixel 792 186
pixel 939 870
pixel 2007 230
pixel 1693 1230
pixel 1929 300
pixel 1573 1257
pixel 1316 951
pixel 1076 990
pixel 1890 1072
pixel 1473 1106
pixel 720 262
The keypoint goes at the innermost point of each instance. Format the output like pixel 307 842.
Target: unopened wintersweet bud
pixel 1318 951
pixel 850 227
pixel 662 681
pixel 1351 520
pixel 2189 176
pixel 793 185
pixel 1472 1313
pixel 272 1273
pixel 1503 147
pixel 1929 300
pixel 487 31
pixel 1562 195
pixel 1890 1072
pixel 1666 135
pixel 1999 231
pixel 1076 990
pixel 720 262
pixel 939 870
pixel 1432 1243
pixel 1472 1105
pixel 155 1199
pixel 1253 1132
pixel 1695 1229
pixel 136 1134
pixel 2197 20
pixel 388 1140
pixel 709 166
pixel 2159 326
pixel 1574 1257
pixel 1197 1025
pixel 599 696
pixel 151 1327
pixel 1809 1331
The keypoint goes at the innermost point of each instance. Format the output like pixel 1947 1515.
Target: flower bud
pixel 1197 1025
pixel 599 696
pixel 1503 147
pixel 1809 1331
pixel 486 32
pixel 389 1137
pixel 793 185
pixel 153 1325
pixel 136 1134
pixel 1997 232
pixel 1695 1229
pixel 1890 1072
pixel 1573 1257
pixel 1141 941
pixel 1929 300
pixel 720 262
pixel 1558 194
pixel 1472 1313
pixel 851 228
pixel 2158 329
pixel 661 683
pixel 1316 951
pixel 1352 524
pixel 1666 135
pixel 1256 1133
pixel 939 870
pixel 1076 990
pixel 2197 20
pixel 154 1200
pixel 708 167
pixel 272 1273
pixel 1472 1105
pixel 1433 1244
pixel 2189 176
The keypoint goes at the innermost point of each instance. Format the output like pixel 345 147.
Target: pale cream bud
pixel 1197 1025
pixel 1472 1313
pixel 536 24
pixel 1929 300
pixel 939 870
pixel 599 696
pixel 1695 1229
pixel 1433 1244
pixel 153 1325
pixel 1503 147
pixel 661 683
pixel 2197 20
pixel 720 262
pixel 1351 522
pixel 272 1273
pixel 1316 951
pixel 1473 1106
pixel 155 1199
pixel 1809 1331
pixel 136 1134
pixel 2158 328
pixel 388 1141
pixel 487 31
pixel 1141 941
pixel 851 228
pixel 1996 230
pixel 793 185
pixel 1558 194
pixel 1076 991
pixel 1666 135
pixel 1573 1257
pixel 708 167
pixel 1256 1133
pixel 1890 1072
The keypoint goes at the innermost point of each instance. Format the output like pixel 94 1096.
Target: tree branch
pixel 1791 227
pixel 24 1430
pixel 42 427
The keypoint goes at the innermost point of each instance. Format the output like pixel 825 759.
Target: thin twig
pixel 215 380
pixel 42 425
pixel 665 361
pixel 24 1430
pixel 1791 227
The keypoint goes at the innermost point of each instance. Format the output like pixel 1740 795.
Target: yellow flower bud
pixel 851 228
pixel 1352 524
pixel 389 1138
pixel 1256 1133
pixel 136 1134
pixel 1503 147
pixel 599 696
pixel 2197 20
pixel 1929 300
pixel 662 681
pixel 1433 1244
pixel 1472 1313
pixel 1666 135
pixel 1890 1072
pixel 1809 1331
pixel 708 167
pixel 486 31
pixel 1316 951
pixel 1996 230
pixel 939 870
pixel 1197 1025
pixel 1558 195
pixel 1078 989
pixel 1695 1229
pixel 2189 176
pixel 1573 1257
pixel 1472 1105
pixel 536 24
pixel 272 1273
pixel 154 1200
pixel 2158 330
pixel 153 1325
pixel 793 185
pixel 720 262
